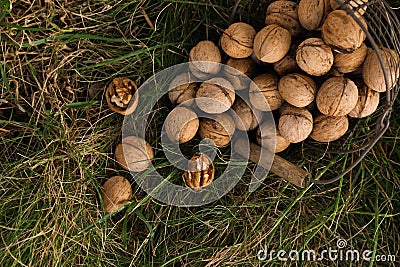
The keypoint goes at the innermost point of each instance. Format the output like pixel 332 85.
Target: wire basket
pixel 382 32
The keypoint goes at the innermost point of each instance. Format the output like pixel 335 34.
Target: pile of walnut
pixel 309 65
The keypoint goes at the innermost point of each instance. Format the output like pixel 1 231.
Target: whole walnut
pixel 329 128
pixel 181 125
pixel 266 136
pixel 237 40
pixel 182 88
pixel 295 124
pixel 284 14
pixel 204 57
pixel 358 6
pixel 122 96
pixel 346 63
pixel 312 13
pixel 368 101
pixel 215 96
pixel 297 89
pixel 272 43
pixel 115 193
pixel 134 154
pixel 244 65
pixel 264 94
pixel 245 119
pixel 337 96
pixel 342 33
pixel 372 71
pixel 219 129
pixel 200 172
pixel 287 64
pixel 314 57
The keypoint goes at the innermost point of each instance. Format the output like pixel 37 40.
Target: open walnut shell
pixel 119 93
pixel 200 171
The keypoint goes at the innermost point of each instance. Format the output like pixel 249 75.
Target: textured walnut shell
pixel 264 94
pixel 358 6
pixel 346 63
pixel 182 89
pixel 115 193
pixel 246 119
pixel 217 95
pixel 219 129
pixel 119 94
pixel 200 171
pixel 284 14
pixel 181 125
pixel 314 57
pixel 200 56
pixel 237 40
pixel 272 43
pixel 312 13
pixel 337 96
pixel 287 64
pixel 244 65
pixel 328 128
pixel 341 32
pixel 368 101
pixel 268 136
pixel 295 124
pixel 134 154
pixel 372 71
pixel 297 89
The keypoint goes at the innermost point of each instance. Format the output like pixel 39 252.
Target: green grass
pixel 57 138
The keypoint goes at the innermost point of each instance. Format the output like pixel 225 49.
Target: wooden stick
pixel 280 166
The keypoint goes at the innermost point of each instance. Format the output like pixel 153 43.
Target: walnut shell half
pixel 119 94
pixel 200 172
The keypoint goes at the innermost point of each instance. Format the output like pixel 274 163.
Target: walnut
pixel 115 193
pixel 272 43
pixel 346 63
pixel 314 57
pixel 287 64
pixel 134 154
pixel 368 101
pixel 200 172
pixel 284 14
pixel 268 136
pixel 329 128
pixel 358 6
pixel 372 71
pixel 264 94
pixel 297 89
pixel 341 32
pixel 244 65
pixel 337 96
pixel 182 88
pixel 181 125
pixel 119 94
pixel 312 13
pixel 204 57
pixel 245 119
pixel 295 124
pixel 237 40
pixel 219 129
pixel 215 95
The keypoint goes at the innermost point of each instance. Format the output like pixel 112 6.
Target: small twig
pixel 149 22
